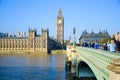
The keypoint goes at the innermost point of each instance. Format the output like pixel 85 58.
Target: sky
pixel 19 15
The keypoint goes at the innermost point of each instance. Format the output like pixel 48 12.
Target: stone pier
pixel 114 69
pixel 71 57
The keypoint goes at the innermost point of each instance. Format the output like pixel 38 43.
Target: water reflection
pixel 32 67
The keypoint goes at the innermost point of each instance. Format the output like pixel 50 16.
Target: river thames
pixel 32 67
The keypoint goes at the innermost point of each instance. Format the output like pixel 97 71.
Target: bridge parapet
pixel 103 56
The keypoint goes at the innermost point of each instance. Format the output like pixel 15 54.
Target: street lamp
pixel 74 32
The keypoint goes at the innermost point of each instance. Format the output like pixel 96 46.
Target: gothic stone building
pixel 93 37
pixel 35 42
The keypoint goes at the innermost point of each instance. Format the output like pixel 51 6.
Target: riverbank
pixel 22 53
pixel 58 51
pixel 31 52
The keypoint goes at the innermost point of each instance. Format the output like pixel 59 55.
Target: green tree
pixel 104 40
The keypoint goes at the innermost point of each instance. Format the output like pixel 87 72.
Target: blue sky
pixel 18 15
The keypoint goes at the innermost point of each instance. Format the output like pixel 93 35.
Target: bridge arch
pixel 81 62
pixel 84 71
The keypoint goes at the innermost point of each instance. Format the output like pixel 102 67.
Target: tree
pixel 104 40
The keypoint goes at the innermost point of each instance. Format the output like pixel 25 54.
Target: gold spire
pixel 60 11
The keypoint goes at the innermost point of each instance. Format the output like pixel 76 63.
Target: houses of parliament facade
pixel 34 41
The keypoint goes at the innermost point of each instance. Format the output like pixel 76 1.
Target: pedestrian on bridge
pixel 117 41
pixel 112 46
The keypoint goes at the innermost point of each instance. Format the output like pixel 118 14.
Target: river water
pixel 32 67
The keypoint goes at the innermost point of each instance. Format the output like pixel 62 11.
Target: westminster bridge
pixel 89 62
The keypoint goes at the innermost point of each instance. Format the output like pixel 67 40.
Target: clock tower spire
pixel 60 27
pixel 60 12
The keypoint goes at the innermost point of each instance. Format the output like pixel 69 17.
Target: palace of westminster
pixel 43 42
pixel 35 42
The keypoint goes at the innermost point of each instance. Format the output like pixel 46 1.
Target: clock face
pixel 59 21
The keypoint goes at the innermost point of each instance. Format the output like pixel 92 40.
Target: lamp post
pixel 70 40
pixel 74 32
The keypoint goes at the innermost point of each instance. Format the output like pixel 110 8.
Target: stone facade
pixel 60 27
pixel 93 37
pixel 34 41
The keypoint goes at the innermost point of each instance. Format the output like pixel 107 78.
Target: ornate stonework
pixel 60 27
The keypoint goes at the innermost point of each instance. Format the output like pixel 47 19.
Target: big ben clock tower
pixel 60 27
